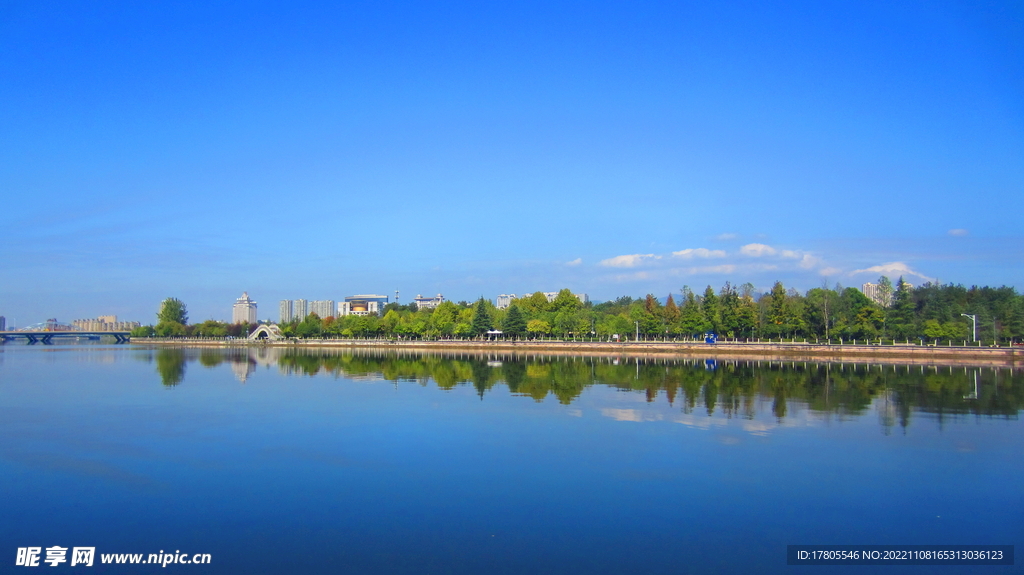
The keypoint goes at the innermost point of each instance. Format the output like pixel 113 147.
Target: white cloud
pixel 807 261
pixel 892 270
pixel 630 415
pixel 757 250
pixel 793 255
pixel 829 271
pixel 629 261
pixel 726 237
pixel 959 232
pixel 574 262
pixel 699 253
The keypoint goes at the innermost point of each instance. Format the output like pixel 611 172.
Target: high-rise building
pixel 286 311
pixel 244 310
pixel 505 300
pixel 3 323
pixel 875 294
pixel 428 302
pixel 300 309
pixel 322 308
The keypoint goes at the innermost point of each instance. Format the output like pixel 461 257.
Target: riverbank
pixel 796 351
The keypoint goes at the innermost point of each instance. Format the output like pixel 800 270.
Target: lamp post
pixel 974 326
pixel 637 330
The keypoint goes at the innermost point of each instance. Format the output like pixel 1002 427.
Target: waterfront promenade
pixel 791 351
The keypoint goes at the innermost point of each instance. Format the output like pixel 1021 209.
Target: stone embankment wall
pixel 899 354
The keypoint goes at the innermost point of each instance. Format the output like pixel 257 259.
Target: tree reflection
pixel 732 388
pixel 170 364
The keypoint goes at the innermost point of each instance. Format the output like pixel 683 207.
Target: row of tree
pixel 930 312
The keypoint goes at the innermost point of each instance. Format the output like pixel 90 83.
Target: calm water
pixel 332 463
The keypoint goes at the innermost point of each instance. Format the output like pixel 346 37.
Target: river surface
pixel 327 462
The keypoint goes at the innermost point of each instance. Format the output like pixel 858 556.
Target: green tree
pixel 169 329
pixel 514 324
pixel 566 301
pixel 534 304
pixel 312 326
pixel 746 316
pixel 444 319
pixel 691 317
pixel 901 318
pixel 671 313
pixel 884 291
pixel 868 323
pixel 777 315
pixel 819 309
pixel 390 321
pixel 933 329
pixel 172 310
pixel 728 305
pixel 211 328
pixel 482 322
pixel 712 313
pixel 646 316
pixel 538 327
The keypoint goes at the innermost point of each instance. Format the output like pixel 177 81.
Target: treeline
pixel 930 312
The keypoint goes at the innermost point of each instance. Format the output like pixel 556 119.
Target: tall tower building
pixel 322 308
pixel 286 311
pixel 244 310
pixel 300 309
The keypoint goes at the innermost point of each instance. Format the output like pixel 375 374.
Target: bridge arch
pixel 268 332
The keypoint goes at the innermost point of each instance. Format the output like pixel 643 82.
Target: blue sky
pixel 301 150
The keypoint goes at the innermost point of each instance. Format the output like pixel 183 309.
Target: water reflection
pixel 170 364
pixel 734 389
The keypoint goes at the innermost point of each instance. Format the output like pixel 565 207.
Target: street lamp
pixel 974 326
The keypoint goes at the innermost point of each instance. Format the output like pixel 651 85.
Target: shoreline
pixel 895 354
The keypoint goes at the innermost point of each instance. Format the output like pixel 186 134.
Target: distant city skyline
pixel 246 308
pixel 182 150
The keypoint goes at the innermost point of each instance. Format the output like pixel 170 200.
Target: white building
pixel 286 311
pixel 244 310
pixel 322 308
pixel 103 323
pixel 505 300
pixel 874 293
pixel 366 304
pixel 300 309
pixel 358 308
pixel 428 302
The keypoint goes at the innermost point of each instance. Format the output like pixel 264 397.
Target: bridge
pixel 46 337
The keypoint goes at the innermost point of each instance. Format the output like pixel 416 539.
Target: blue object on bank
pixel 711 337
